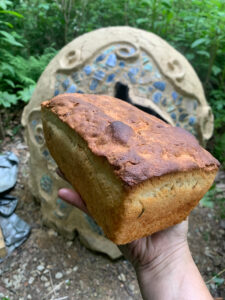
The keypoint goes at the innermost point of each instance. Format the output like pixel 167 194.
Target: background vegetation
pixel 32 31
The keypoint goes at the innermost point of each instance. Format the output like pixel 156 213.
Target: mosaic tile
pixel 100 57
pixel 46 184
pixel 93 85
pixel 71 89
pixel 183 117
pixel 174 95
pixel 148 67
pixel 150 88
pixel 195 104
pixel 122 64
pixel 99 75
pixel 56 92
pixel 94 225
pixel 111 61
pixel 34 123
pixel 75 76
pixel 66 83
pixel 171 108
pixel 142 89
pixel 179 101
pixel 192 120
pixel 157 97
pixel 173 116
pixel 164 102
pixel 62 204
pixel 80 92
pixel 160 85
pixel 87 70
pixel 110 78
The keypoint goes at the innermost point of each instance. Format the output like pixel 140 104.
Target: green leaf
pixel 4 3
pixel 204 53
pixel 9 38
pixel 142 21
pixel 11 12
pixel 6 24
pixel 216 70
pixel 7 99
pixel 5 67
pixel 198 42
pixel 218 280
pixel 26 93
pixel 10 82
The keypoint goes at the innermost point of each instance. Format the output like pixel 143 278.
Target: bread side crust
pixel 91 176
pixel 124 213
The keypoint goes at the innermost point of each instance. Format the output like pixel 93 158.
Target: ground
pixel 47 266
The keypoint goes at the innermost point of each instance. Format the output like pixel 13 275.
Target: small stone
pixel 58 275
pixel 40 268
pixel 43 278
pixel 81 284
pixel 122 277
pixel 31 280
pixel 69 271
pixel 209 269
pixel 69 244
pixel 52 233
pixel 131 287
pixel 75 268
pixel 47 284
pixel 29 296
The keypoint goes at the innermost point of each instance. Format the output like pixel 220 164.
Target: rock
pixel 47 284
pixel 122 277
pixel 29 296
pixel 131 287
pixel 69 271
pixel 58 275
pixel 43 278
pixel 31 280
pixel 75 268
pixel 40 268
pixel 52 233
pixel 69 244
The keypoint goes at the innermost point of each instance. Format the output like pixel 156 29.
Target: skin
pixel 163 262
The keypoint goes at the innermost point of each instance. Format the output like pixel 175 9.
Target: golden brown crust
pixel 137 145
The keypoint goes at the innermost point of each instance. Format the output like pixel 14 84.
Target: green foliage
pixel 214 198
pixel 30 30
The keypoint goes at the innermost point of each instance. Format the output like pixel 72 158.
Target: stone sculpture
pixel 128 63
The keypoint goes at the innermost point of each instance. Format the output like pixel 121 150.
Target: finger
pixel 73 198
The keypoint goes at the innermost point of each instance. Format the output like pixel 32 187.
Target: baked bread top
pixel 137 145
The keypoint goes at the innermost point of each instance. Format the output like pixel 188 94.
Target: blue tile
pixel 160 85
pixel 66 83
pixel 179 101
pixel 122 64
pixel 34 122
pixel 111 61
pixel 87 70
pixel 180 109
pixel 164 102
pixel 56 92
pixel 99 75
pixel 150 89
pixel 110 78
pixel 133 71
pixel 75 76
pixel 192 120
pixel 145 59
pixel 183 117
pixel 100 57
pixel 171 108
pixel 148 67
pixel 173 116
pixel 80 92
pixel 157 97
pixel 128 53
pixel 93 84
pixel 195 104
pixel 71 89
pixel 46 184
pixel 174 95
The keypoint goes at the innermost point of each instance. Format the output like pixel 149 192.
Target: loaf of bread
pixel 137 174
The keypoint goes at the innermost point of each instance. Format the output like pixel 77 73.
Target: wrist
pixel 172 276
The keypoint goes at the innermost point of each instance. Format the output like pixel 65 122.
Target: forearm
pixel 171 278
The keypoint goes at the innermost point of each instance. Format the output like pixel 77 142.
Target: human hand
pixel 163 263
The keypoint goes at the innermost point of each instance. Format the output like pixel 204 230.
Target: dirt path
pixel 47 266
